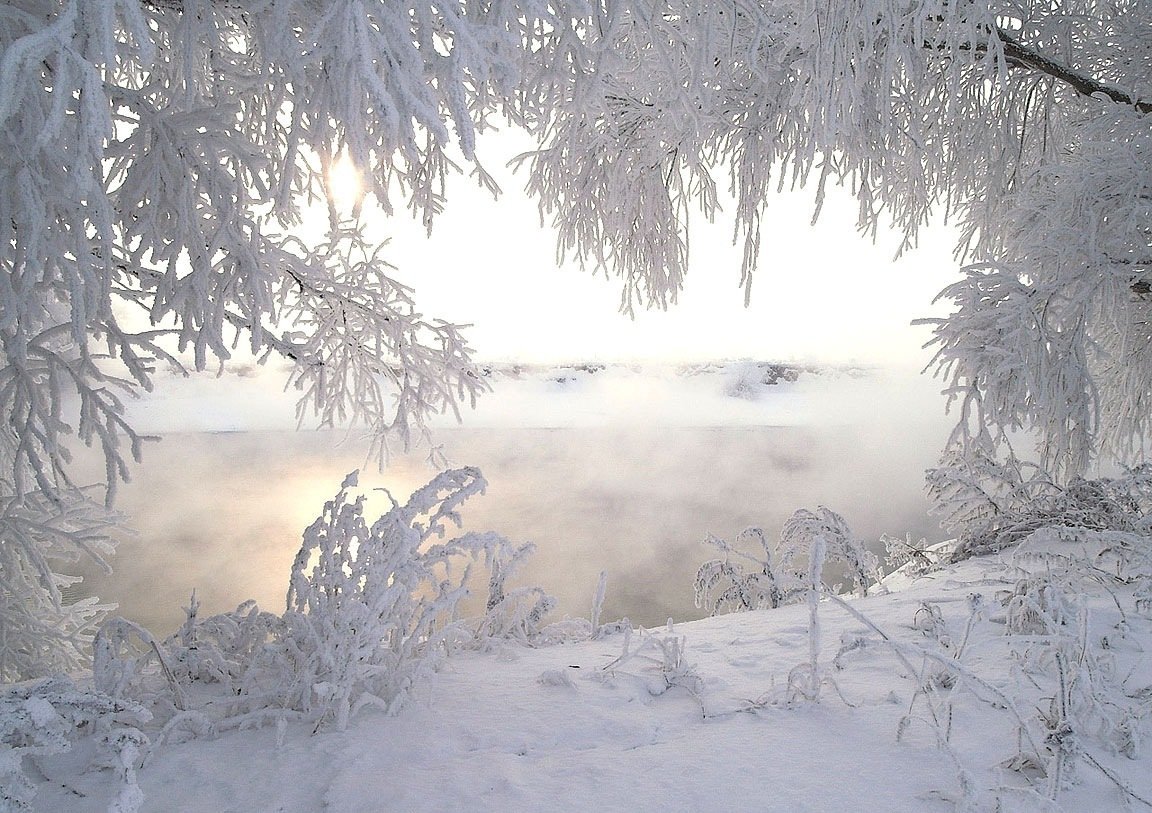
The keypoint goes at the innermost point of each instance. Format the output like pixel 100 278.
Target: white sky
pixel 823 293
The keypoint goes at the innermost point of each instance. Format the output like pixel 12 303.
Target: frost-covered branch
pixel 152 154
pixel 1017 54
pixel 924 109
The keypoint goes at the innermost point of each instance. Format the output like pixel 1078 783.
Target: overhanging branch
pixel 1025 57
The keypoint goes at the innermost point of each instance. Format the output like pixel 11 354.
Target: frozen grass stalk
pixel 815 585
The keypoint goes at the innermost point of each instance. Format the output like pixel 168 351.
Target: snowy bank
pixel 939 696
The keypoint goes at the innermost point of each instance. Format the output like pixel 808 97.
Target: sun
pixel 345 184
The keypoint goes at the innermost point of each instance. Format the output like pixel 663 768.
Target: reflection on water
pixel 222 513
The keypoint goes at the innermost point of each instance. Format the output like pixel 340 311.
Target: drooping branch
pixel 1025 57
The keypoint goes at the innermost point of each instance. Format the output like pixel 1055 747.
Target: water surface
pixel 222 513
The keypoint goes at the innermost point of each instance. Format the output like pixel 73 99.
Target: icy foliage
pixel 911 558
pixel 742 581
pixel 372 610
pixel 739 580
pixel 40 628
pixel 1051 330
pixel 1072 699
pixel 517 612
pixel 657 659
pixel 991 504
pixel 804 681
pixel 153 154
pixel 1072 696
pixel 838 544
pixel 1023 123
pixel 153 151
pixel 45 717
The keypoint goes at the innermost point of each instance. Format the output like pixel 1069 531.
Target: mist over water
pixel 222 513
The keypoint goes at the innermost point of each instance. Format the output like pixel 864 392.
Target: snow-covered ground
pixel 936 696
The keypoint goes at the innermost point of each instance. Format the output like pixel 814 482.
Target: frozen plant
pixel 46 717
pixel 662 660
pixel 372 609
pixel 596 629
pixel 511 613
pixel 1050 628
pixel 913 558
pixel 739 581
pixel 122 653
pixel 804 681
pixel 40 535
pixel 221 648
pixel 581 629
pixel 993 500
pixel 800 533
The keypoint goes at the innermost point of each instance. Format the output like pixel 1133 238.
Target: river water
pixel 222 512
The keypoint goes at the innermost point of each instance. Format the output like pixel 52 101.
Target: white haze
pixel 623 470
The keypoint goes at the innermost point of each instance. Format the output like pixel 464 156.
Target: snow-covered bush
pixel 45 717
pixel 40 629
pixel 991 503
pixel 739 580
pixel 1078 689
pixel 127 663
pixel 914 558
pixel 221 648
pixel 840 546
pixel 372 609
pixel 511 613
pixel 659 661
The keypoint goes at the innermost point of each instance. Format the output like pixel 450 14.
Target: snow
pixel 581 726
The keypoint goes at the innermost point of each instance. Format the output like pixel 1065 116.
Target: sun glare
pixel 345 185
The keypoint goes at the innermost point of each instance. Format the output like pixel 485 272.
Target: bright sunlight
pixel 345 185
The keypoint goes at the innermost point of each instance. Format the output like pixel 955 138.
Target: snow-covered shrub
pixel 127 663
pixel 516 613
pixel 45 717
pixel 739 580
pixel 1077 698
pixel 1037 605
pixel 224 671
pixel 372 609
pixel 568 629
pixel 661 659
pixel 1090 697
pixel 221 648
pixel 840 545
pixel 915 558
pixel 992 503
pixel 41 632
pixel 804 681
